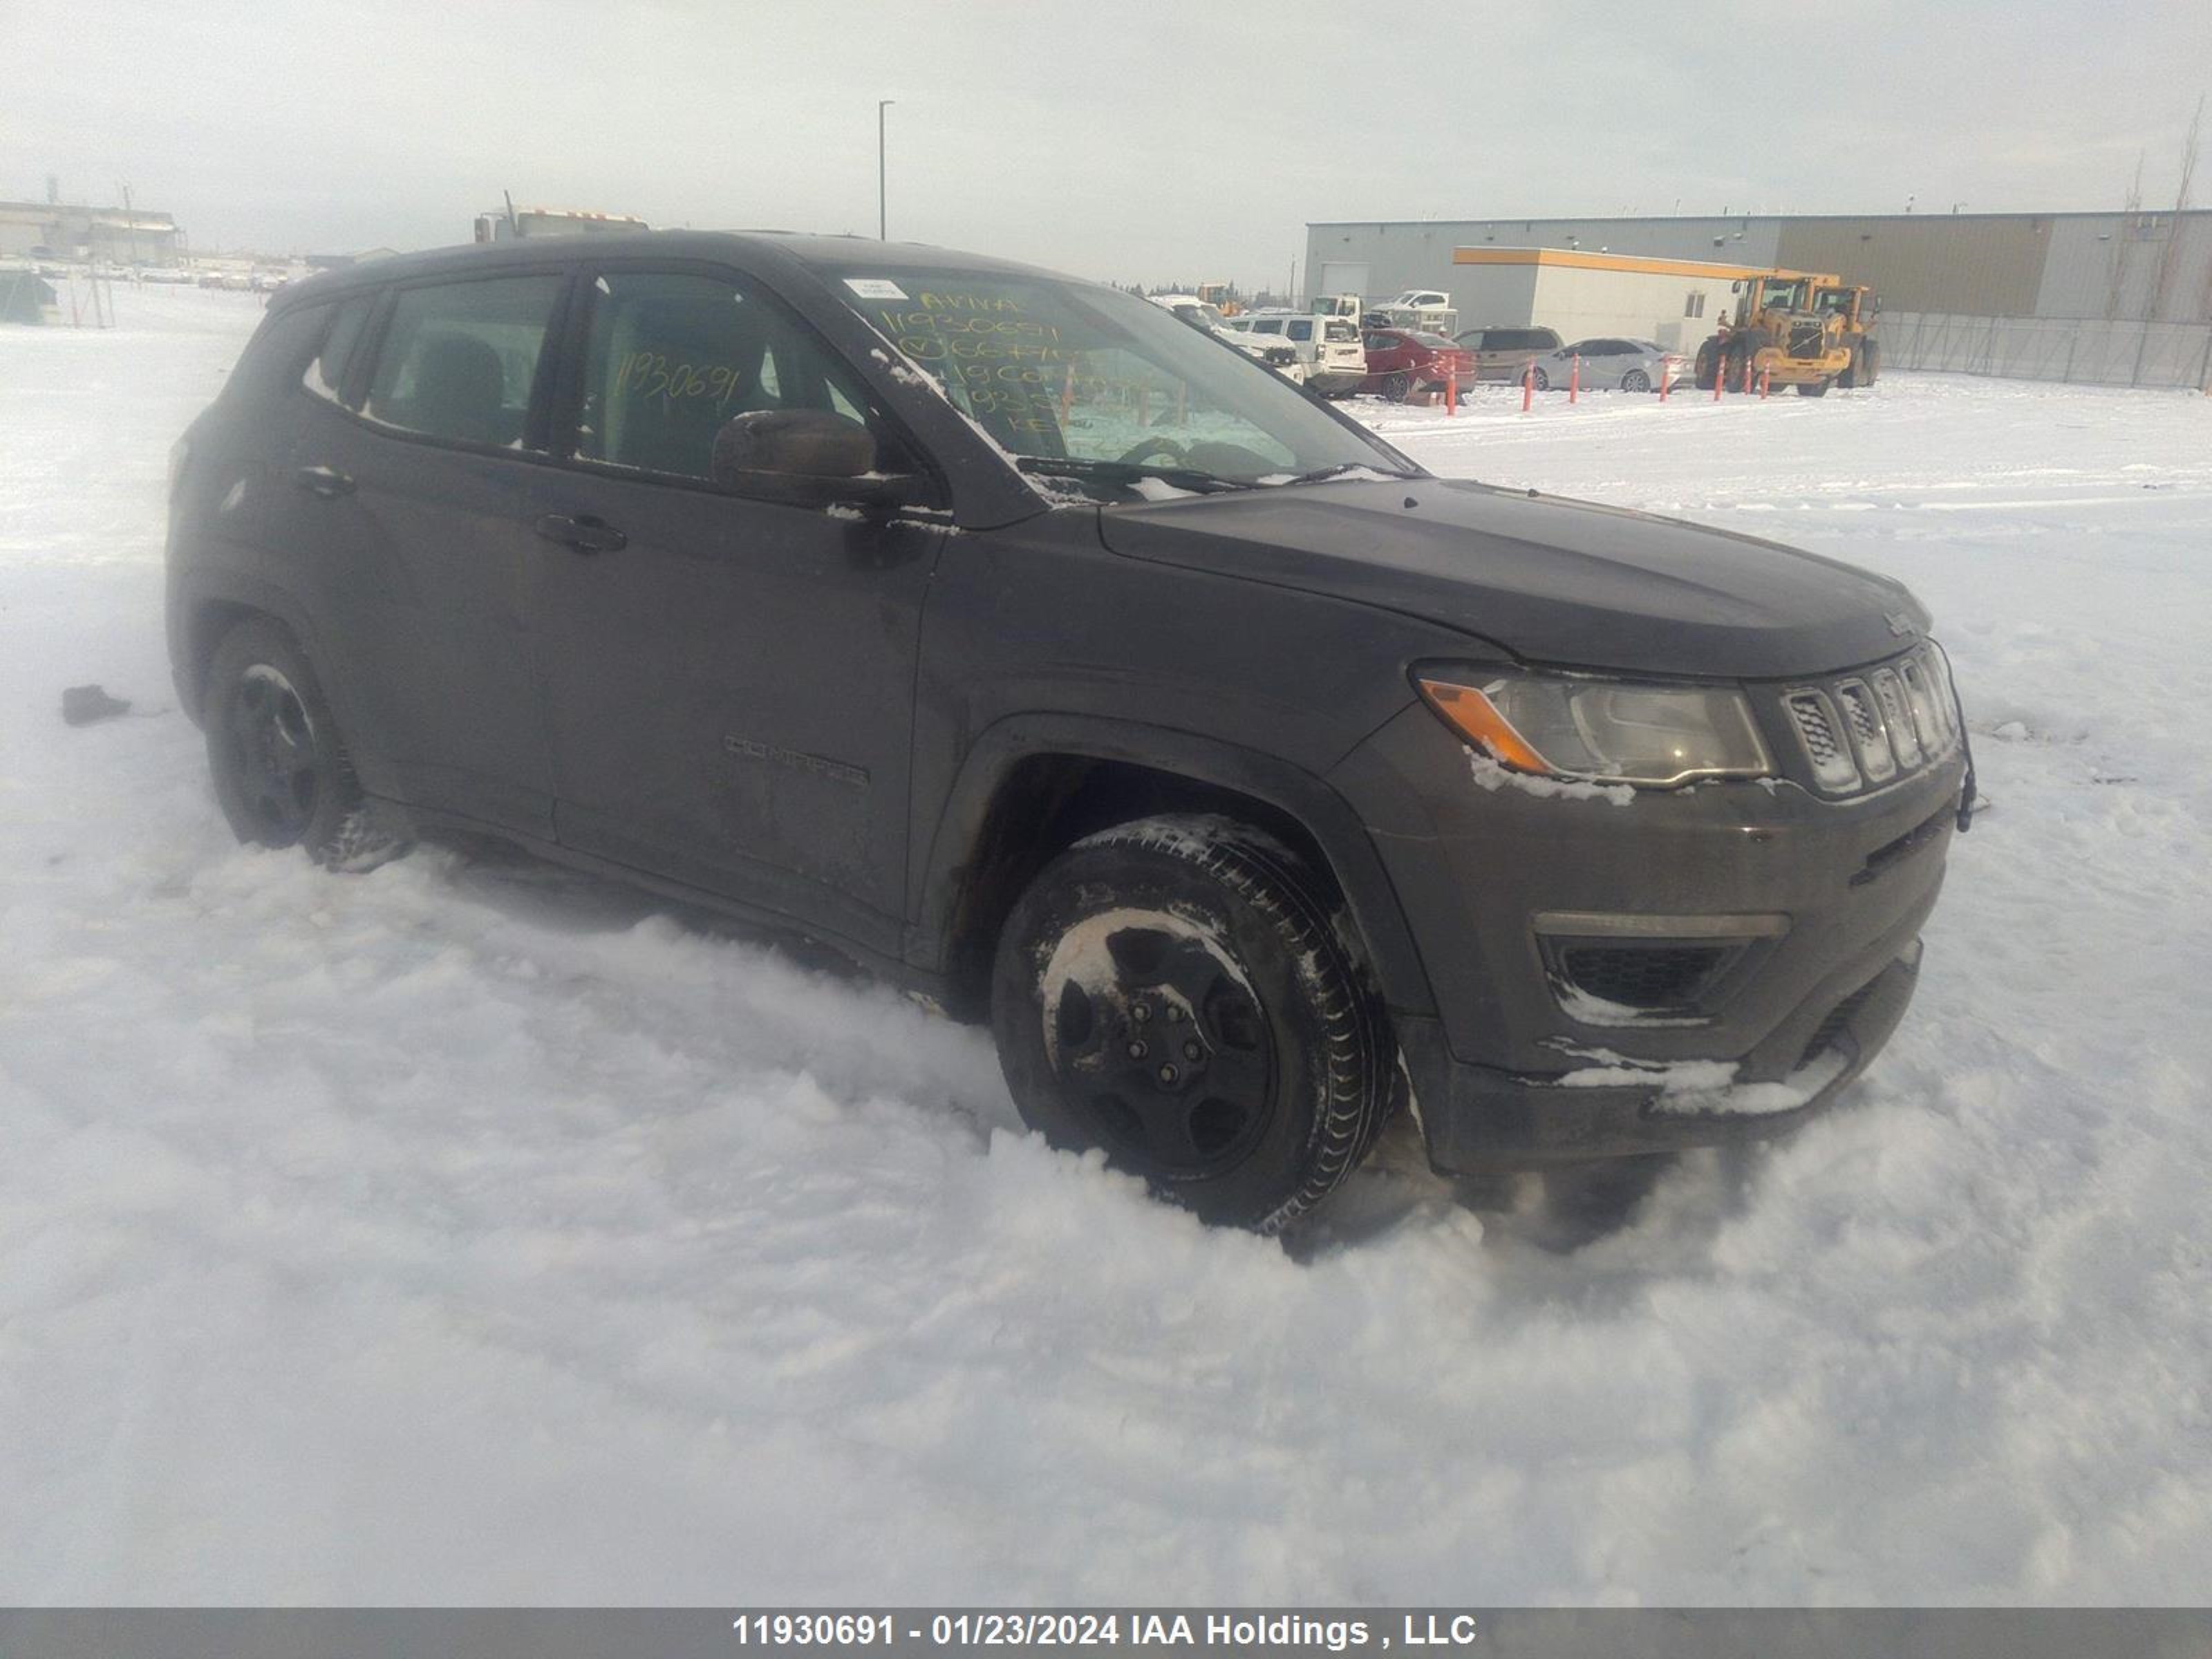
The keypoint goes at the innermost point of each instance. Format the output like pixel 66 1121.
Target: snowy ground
pixel 462 1233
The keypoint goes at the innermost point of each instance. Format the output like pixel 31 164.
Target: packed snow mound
pixel 466 1231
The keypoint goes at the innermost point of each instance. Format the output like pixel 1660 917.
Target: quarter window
pixel 459 359
pixel 672 357
pixel 272 361
pixel 1300 330
pixel 325 375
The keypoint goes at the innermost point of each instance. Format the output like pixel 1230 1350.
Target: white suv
pixel 1336 362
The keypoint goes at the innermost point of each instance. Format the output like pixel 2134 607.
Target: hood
pixel 1555 581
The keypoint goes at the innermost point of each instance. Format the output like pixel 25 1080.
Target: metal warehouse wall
pixel 1980 266
pixel 2108 266
pixel 2066 264
pixel 1503 296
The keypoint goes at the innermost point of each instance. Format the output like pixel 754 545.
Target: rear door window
pixel 458 359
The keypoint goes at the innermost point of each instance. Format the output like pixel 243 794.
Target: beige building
pixel 1586 295
pixel 54 230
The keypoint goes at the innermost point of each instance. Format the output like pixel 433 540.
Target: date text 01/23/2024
pixel 1166 1630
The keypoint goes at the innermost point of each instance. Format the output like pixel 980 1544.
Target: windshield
pixel 1081 382
pixel 1779 296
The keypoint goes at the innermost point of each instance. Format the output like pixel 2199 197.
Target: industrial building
pixel 54 230
pixel 2135 267
pixel 2108 298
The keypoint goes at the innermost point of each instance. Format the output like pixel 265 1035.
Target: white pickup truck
pixel 1425 309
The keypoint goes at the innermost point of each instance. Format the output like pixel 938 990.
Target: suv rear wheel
pixel 1172 992
pixel 280 769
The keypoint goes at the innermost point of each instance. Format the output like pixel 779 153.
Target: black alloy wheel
pixel 1397 387
pixel 281 772
pixel 273 754
pixel 1172 992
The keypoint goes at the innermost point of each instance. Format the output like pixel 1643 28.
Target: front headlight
pixel 1607 730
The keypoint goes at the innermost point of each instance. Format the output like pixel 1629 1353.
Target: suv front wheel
pixel 1173 992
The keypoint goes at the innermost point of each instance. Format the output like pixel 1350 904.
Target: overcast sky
pixel 1118 138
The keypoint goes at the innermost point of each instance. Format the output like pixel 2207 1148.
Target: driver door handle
pixel 326 482
pixel 582 532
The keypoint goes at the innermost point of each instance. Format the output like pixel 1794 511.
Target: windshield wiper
pixel 1322 474
pixel 1194 479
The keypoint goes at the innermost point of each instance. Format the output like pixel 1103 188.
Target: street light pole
pixel 883 223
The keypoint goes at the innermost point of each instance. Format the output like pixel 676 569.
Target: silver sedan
pixel 1630 365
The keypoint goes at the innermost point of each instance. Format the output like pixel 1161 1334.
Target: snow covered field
pixel 465 1232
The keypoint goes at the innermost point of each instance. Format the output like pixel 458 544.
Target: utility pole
pixel 883 217
pixel 130 223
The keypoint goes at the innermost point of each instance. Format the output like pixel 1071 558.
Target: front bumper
pixel 1808 911
pixel 1476 1118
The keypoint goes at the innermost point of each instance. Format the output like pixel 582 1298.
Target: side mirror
pixel 805 458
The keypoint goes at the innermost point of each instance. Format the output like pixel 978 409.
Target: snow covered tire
pixel 282 773
pixel 1175 992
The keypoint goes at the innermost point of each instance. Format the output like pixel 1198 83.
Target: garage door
pixel 1343 278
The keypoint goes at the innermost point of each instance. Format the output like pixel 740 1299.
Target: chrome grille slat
pixel 1897 716
pixel 1869 735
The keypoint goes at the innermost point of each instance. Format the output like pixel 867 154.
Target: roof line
pixel 1767 218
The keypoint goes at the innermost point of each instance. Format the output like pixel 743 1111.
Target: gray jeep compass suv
pixel 1054 659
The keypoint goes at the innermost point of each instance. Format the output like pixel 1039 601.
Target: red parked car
pixel 1400 359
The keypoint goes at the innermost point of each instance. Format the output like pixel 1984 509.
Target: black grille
pixel 1825 1034
pixel 1813 722
pixel 1805 339
pixel 1642 976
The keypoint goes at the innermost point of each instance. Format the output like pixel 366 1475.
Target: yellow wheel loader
pixel 1796 328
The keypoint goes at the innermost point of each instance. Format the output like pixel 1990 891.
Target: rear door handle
pixel 325 481
pixel 582 532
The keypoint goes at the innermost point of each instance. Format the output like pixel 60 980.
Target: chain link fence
pixel 2084 351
